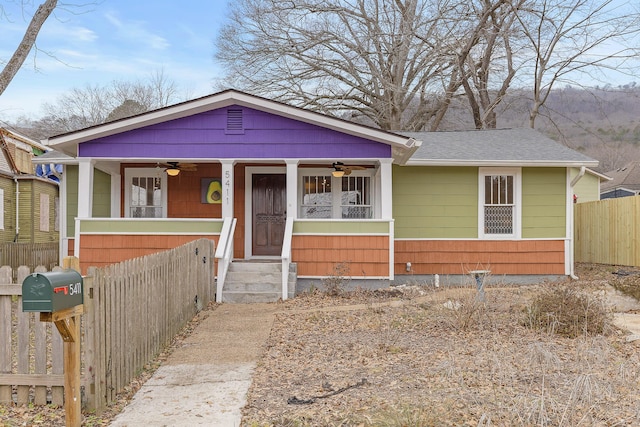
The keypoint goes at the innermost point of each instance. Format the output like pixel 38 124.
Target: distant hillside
pixel 603 123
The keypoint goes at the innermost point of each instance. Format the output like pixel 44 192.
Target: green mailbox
pixel 52 291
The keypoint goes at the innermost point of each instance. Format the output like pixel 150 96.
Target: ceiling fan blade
pixel 188 167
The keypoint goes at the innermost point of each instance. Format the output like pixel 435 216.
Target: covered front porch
pixel 291 211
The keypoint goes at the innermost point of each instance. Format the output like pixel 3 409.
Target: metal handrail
pixel 286 256
pixel 224 253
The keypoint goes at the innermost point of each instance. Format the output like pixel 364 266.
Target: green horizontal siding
pixel 588 187
pixel 71 172
pixel 340 227
pixel 8 229
pixel 138 226
pixel 101 203
pixel 435 202
pixel 543 203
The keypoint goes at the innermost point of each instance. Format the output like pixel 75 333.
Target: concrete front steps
pixel 254 281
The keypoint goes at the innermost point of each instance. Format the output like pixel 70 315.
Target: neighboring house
pixel 409 205
pixel 625 181
pixel 587 185
pixel 28 211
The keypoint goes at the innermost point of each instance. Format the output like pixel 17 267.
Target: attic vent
pixel 235 122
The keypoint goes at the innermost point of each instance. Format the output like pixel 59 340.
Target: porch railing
pixel 286 256
pixel 224 253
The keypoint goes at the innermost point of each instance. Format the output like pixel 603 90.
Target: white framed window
pixel 145 193
pixel 355 200
pixel 326 196
pixel 317 197
pixel 499 207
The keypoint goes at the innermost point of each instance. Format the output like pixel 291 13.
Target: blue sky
pixel 111 40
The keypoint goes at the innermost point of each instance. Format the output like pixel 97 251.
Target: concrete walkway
pixel 205 381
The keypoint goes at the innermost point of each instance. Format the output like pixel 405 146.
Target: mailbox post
pixel 58 297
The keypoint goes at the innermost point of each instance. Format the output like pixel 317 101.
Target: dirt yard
pixel 421 356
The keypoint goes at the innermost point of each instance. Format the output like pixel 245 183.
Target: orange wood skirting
pixel 461 256
pixel 99 250
pixel 366 256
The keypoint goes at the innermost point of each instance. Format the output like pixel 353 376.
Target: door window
pixel 145 193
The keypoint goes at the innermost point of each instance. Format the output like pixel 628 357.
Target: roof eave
pixel 504 163
pixel 59 160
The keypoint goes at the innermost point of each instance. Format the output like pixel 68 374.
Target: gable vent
pixel 235 123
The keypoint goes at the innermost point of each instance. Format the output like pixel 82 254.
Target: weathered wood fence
pixel 606 231
pixel 30 350
pixel 30 255
pixel 132 310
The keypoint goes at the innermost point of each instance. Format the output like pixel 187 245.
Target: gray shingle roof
pixel 54 156
pixel 627 177
pixel 494 147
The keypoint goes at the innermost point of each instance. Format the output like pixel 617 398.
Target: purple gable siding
pixel 204 136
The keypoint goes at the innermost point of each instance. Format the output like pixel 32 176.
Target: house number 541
pixel 227 185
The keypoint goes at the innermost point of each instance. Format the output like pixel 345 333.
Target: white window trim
pixel 336 208
pixel 130 173
pixel 517 199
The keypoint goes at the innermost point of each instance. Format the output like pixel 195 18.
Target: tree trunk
pixel 29 39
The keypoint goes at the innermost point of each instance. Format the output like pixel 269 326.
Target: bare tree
pixel 399 64
pixel 573 39
pixel 374 58
pixel 94 104
pixel 28 40
pixel 489 68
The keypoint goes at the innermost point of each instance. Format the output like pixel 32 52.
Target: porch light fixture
pixel 338 170
pixel 172 171
pixel 337 173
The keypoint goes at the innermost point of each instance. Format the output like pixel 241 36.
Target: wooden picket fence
pixel 30 350
pixel 132 310
pixel 606 231
pixel 31 255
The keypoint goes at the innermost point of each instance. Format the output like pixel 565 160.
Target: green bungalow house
pixel 28 202
pixel 305 193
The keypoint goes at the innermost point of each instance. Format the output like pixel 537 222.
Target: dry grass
pixel 441 357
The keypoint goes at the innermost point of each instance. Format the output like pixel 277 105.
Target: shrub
pixel 335 285
pixel 567 311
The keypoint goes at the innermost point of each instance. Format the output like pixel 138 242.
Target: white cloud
pixel 134 32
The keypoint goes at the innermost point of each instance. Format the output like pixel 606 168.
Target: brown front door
pixel 269 201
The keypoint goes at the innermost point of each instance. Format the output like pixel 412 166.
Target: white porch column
pixel 85 188
pixel 386 189
pixel 63 226
pixel 227 188
pixel 292 188
pixel 116 188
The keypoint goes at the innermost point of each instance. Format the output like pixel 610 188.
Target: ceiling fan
pixel 174 168
pixel 340 169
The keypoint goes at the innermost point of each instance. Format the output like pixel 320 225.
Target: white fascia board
pixel 599 175
pixel 498 163
pixel 58 161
